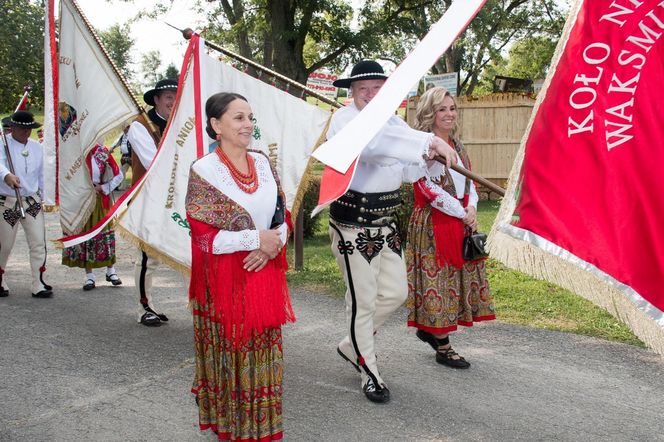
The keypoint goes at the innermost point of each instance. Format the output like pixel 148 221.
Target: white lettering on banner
pixel 593 54
pixel 623 10
pixel 185 131
pixel 171 183
pixel 616 115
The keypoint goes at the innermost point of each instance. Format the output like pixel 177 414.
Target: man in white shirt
pixel 28 177
pixel 363 228
pixel 144 137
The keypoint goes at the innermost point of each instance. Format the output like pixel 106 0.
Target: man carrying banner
pixel 363 228
pixel 144 147
pixel 28 158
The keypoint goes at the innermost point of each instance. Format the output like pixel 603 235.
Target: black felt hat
pixel 21 119
pixel 162 85
pixel 364 70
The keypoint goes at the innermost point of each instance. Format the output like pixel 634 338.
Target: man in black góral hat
pixel 144 145
pixel 28 160
pixel 363 225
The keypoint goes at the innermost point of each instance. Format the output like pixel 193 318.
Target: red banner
pixel 590 184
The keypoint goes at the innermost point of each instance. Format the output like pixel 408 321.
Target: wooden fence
pixel 491 129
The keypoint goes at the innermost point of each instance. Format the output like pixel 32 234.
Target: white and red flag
pixel 584 196
pixel 50 142
pixel 92 100
pixel 340 153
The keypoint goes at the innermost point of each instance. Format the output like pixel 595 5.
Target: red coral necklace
pixel 247 182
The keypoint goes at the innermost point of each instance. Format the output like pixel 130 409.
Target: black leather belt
pixel 366 209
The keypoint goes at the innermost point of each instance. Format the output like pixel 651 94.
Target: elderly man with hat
pixel 28 177
pixel 363 228
pixel 144 138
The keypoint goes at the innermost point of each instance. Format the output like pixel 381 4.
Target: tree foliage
pixel 171 72
pixel 499 24
pixel 530 58
pixel 21 52
pixel 118 43
pixel 296 37
pixel 150 65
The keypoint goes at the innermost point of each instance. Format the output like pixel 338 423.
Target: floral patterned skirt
pixel 96 252
pixel 238 389
pixel 441 298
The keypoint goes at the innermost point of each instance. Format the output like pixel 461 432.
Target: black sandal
pixel 446 356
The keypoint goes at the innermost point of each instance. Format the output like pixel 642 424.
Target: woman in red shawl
pixel 99 251
pixel 444 290
pixel 238 286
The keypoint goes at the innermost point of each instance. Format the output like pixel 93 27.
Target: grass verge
pixel 519 298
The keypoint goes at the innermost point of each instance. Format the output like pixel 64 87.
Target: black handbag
pixel 473 247
pixel 279 213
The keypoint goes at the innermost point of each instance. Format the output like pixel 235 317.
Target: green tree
pixel 21 52
pixel 171 72
pixel 296 37
pixel 150 64
pixel 530 58
pixel 118 43
pixel 498 25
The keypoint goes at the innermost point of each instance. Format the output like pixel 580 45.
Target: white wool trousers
pixel 371 262
pixel 33 226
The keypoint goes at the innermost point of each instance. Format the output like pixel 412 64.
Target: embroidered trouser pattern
pixel 33 226
pixel 375 276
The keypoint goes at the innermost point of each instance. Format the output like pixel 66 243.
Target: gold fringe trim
pixel 305 181
pixel 138 242
pixel 534 261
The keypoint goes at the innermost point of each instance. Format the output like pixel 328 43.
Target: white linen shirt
pixel 260 205
pixel 394 155
pixel 142 143
pixel 28 160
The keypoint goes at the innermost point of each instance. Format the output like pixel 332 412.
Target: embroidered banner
pixel 286 128
pixel 585 186
pixel 91 101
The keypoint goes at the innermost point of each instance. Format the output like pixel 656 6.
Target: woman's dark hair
pixel 216 106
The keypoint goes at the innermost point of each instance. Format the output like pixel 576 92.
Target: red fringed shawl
pixel 104 161
pixel 241 301
pixel 448 231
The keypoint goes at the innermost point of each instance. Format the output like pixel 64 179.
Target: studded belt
pixel 366 209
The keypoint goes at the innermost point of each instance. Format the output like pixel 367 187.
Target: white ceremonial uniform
pixel 28 164
pixel 370 257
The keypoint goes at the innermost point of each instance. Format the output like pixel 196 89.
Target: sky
pixel 148 34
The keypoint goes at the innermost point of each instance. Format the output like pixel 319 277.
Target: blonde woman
pixel 444 290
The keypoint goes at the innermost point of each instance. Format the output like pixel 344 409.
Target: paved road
pixel 77 367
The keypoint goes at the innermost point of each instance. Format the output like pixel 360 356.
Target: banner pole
pixel 187 33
